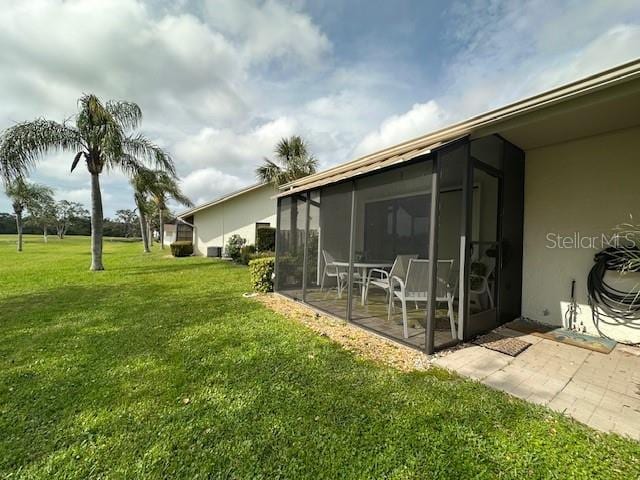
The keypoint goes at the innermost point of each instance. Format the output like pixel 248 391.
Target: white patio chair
pixel 331 270
pixel 380 278
pixel 415 289
pixel 482 283
pixel 339 272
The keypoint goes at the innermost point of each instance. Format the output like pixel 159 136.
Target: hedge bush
pixel 234 246
pixel 261 273
pixel 266 239
pixel 181 248
pixel 245 254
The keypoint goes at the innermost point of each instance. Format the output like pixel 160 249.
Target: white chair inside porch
pixel 415 289
pixel 331 270
pixel 381 278
pixel 339 271
pixel 481 283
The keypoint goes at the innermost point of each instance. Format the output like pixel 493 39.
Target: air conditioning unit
pixel 215 252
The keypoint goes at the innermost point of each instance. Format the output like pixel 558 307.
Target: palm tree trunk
pixel 143 227
pixel 161 223
pixel 97 219
pixel 19 228
pixel 144 233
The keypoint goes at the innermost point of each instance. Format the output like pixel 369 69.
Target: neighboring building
pixel 177 230
pixel 241 212
pixel 501 200
pixel 169 233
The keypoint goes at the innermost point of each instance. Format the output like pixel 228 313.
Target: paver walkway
pixel 602 391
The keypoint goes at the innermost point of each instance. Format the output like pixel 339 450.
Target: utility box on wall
pixel 215 252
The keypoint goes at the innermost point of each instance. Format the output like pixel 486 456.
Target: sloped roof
pixel 222 199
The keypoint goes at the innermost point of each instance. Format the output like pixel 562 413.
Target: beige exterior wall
pixel 584 187
pixel 214 225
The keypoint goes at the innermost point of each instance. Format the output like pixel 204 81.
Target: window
pixel 184 232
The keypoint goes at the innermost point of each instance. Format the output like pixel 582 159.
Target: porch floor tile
pixel 600 390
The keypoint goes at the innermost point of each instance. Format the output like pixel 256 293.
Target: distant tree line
pixel 124 224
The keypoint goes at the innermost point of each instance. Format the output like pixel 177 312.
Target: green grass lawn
pixel 157 367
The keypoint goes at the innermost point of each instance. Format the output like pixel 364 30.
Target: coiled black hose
pixel 617 306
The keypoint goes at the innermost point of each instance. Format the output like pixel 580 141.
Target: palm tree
pixel 293 160
pixel 102 136
pixel 140 182
pixel 166 188
pixel 157 187
pixel 25 196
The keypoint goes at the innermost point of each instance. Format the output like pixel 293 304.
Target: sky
pixel 221 81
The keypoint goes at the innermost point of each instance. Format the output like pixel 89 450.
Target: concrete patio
pixel 600 390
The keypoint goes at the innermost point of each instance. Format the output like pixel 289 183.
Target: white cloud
pixel 510 51
pixel 237 153
pixel 206 184
pixel 619 44
pixel 422 118
pixel 269 30
pixel 82 195
pixel 189 75
pixel 505 58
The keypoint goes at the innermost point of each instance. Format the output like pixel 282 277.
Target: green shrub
pixel 253 256
pixel 181 248
pixel 266 239
pixel 234 245
pixel 261 272
pixel 245 254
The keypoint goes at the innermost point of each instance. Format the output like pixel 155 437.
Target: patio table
pixel 364 268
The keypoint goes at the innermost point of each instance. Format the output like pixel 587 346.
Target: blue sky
pixel 220 81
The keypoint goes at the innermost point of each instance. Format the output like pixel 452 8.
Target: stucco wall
pixel 214 225
pixel 587 188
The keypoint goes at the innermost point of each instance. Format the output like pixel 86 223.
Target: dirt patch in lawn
pixel 352 338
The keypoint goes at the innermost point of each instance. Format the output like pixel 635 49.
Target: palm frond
pixel 159 185
pixel 101 131
pixel 27 195
pixel 76 159
pixel 292 161
pixel 142 148
pixel 167 187
pixel 127 114
pixel 22 144
pixel 269 172
pixel 129 164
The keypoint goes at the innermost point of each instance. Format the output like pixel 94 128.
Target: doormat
pixel 507 345
pixel 562 335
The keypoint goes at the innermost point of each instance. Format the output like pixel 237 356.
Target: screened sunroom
pixel 424 248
